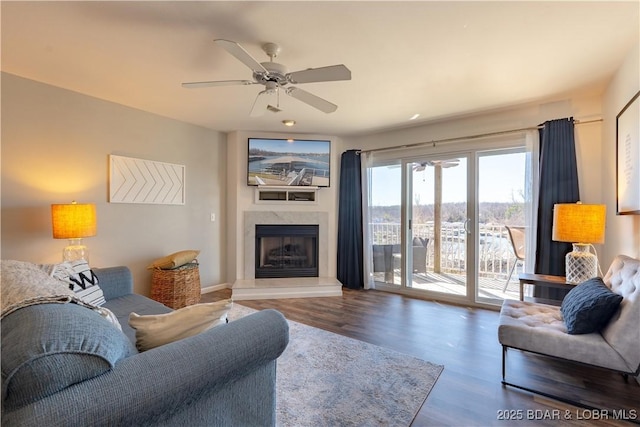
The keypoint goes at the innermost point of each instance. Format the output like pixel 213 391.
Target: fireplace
pixel 286 251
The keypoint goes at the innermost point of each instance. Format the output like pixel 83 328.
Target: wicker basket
pixel 176 288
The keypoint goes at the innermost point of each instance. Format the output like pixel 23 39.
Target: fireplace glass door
pixel 286 251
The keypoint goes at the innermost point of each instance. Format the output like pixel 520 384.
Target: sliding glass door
pixel 501 224
pixel 385 214
pixel 440 223
pixel 438 226
pixel 420 225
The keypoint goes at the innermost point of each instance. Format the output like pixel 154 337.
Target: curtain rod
pixel 481 135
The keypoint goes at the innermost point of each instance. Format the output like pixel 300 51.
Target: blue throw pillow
pixel 48 347
pixel 589 306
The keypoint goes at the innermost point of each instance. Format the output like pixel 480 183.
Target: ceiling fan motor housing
pixel 277 73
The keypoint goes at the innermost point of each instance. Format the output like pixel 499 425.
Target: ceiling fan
pixel 443 163
pixel 274 77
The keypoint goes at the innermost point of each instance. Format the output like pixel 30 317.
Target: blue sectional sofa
pixel 223 377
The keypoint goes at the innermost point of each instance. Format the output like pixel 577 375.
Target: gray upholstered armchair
pixel 543 329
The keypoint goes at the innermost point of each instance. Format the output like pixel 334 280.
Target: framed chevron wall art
pixel 134 180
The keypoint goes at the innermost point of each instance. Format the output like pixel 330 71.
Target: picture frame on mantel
pixel 628 158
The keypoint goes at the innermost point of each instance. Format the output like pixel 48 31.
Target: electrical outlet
pixel 213 217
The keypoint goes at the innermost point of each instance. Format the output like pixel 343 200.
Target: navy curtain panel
pixel 558 184
pixel 350 271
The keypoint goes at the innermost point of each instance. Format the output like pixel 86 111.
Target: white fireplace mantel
pixel 291 287
pixel 253 218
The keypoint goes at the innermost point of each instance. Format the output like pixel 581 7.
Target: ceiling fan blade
pixel 193 85
pixel 450 164
pixel 261 103
pixel 322 74
pixel 444 163
pixel 311 99
pixel 242 55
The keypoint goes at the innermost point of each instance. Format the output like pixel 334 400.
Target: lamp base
pixel 580 264
pixel 75 251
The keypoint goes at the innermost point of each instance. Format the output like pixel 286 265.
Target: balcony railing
pixel 495 255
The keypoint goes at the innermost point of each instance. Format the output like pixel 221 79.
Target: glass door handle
pixel 466 226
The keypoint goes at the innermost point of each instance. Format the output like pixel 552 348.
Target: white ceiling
pixel 436 59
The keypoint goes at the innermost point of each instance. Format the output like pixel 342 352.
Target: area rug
pixel 326 379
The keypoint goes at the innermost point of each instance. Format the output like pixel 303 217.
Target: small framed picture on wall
pixel 628 158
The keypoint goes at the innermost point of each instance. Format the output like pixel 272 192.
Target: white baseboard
pixel 214 288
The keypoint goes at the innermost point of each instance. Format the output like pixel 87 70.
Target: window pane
pixel 501 198
pixel 386 200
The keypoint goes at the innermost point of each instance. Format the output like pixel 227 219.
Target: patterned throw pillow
pixel 81 280
pixel 589 306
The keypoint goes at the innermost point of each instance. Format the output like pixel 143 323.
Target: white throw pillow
pixel 159 329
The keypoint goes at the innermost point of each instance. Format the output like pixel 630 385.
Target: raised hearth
pixel 290 287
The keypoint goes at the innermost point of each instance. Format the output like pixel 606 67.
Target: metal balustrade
pixel 495 254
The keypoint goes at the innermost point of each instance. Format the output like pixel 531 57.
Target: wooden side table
pixel 558 282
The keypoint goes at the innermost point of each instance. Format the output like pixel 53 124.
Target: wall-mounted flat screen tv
pixel 289 162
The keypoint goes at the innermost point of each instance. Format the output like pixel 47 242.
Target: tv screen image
pixel 294 162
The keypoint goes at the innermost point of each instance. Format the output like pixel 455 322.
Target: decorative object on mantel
pixel 74 222
pixel 628 158
pixel 580 225
pixel 145 181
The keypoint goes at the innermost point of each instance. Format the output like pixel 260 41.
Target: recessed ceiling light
pixel 289 122
pixel 415 116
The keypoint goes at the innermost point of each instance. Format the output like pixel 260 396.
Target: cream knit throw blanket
pixel 23 284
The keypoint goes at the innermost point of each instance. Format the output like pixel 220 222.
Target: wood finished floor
pixel 464 340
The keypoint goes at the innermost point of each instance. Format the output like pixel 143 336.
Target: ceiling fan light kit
pixel 274 76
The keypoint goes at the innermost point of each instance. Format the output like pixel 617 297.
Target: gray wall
pixel 55 149
pixel 623 231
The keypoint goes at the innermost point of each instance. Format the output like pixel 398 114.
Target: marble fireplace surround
pixel 253 218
